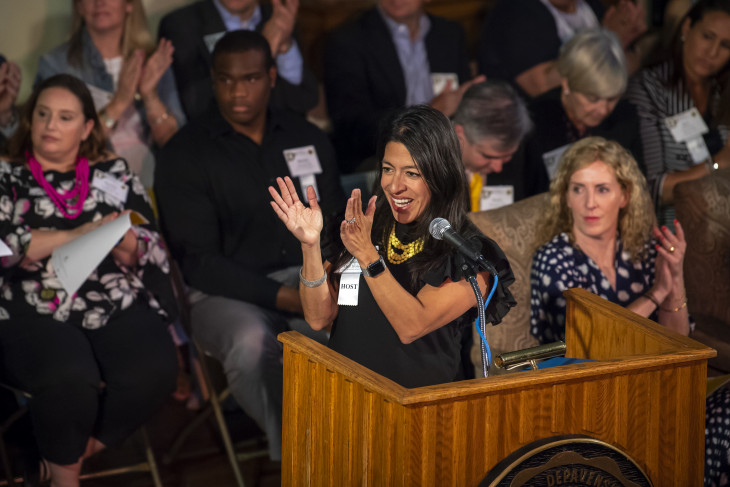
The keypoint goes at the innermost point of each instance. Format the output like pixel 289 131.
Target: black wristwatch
pixel 375 269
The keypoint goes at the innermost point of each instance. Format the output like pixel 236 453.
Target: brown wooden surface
pixel 345 425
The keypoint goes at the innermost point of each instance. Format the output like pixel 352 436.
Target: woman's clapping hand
pixel 305 223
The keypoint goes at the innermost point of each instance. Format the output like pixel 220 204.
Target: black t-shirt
pixel 363 334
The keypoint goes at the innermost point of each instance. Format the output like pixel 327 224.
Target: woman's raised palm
pixel 305 223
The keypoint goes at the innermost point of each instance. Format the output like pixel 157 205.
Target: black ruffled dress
pixel 363 334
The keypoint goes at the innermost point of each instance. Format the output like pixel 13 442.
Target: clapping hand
pixel 669 266
pixel 305 223
pixel 155 67
pixel 129 77
pixel 279 28
pixel 355 229
pixel 448 100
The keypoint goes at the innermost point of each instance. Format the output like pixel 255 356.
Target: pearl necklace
pixel 399 252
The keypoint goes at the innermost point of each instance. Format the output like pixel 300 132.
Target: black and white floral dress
pixel 111 287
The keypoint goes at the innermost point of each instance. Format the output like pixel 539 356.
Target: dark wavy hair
pixel 721 112
pixel 93 148
pixel 432 143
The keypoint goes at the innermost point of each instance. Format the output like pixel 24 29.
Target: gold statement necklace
pixel 399 252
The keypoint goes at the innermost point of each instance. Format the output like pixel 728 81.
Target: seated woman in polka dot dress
pixel 601 236
pixel 598 230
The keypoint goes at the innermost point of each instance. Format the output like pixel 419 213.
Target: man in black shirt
pixel 238 258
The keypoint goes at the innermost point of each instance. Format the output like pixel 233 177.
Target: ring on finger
pixel 352 220
pixel 671 249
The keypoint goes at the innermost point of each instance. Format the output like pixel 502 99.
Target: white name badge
pixel 551 159
pixel 4 250
pixel 210 40
pixel 349 283
pixel 496 196
pixel 686 125
pixel 698 149
pixel 439 80
pixel 306 181
pixel 110 185
pixel 302 161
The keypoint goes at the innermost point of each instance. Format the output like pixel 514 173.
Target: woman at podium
pixel 395 297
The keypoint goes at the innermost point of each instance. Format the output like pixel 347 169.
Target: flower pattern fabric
pixel 110 287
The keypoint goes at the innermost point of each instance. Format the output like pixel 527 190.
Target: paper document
pixel 4 250
pixel 74 261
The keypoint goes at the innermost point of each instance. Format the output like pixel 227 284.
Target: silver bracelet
pixel 316 283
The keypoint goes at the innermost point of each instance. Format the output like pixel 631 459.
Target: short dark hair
pixel 493 109
pixel 242 41
pixel 93 148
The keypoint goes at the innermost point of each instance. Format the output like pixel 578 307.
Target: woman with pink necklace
pixel 62 347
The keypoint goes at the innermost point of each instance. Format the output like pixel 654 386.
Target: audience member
pixel 521 39
pixel 491 121
pixel 194 30
pixel 393 55
pixel 597 236
pixel 111 50
pixel 241 264
pixel 406 317
pixel 674 98
pixel 600 235
pixel 10 77
pixel 61 347
pixel 593 78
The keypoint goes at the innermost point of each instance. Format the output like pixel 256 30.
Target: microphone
pixel 440 229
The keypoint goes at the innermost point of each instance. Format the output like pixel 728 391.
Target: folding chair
pixel 213 393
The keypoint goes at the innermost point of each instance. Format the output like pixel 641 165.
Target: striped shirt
pixel 656 100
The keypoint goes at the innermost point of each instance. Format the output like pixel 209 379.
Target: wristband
pixel 316 283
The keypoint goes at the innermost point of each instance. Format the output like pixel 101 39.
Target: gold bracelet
pixel 682 306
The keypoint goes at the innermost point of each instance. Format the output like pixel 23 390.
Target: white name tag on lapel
pixel 110 185
pixel 349 283
pixel 211 39
pixel 551 159
pixel 686 125
pixel 439 80
pixel 496 196
pixel 304 163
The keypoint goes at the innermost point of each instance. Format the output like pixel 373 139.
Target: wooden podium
pixel 345 425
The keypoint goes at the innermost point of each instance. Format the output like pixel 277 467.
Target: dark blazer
pixel 364 80
pixel 186 27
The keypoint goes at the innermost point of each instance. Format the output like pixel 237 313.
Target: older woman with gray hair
pixel 588 102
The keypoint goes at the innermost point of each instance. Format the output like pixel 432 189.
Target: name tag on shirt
pixel 110 185
pixel 210 40
pixel 304 164
pixel 439 80
pixel 688 127
pixel 493 197
pixel 349 283
pixel 551 159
